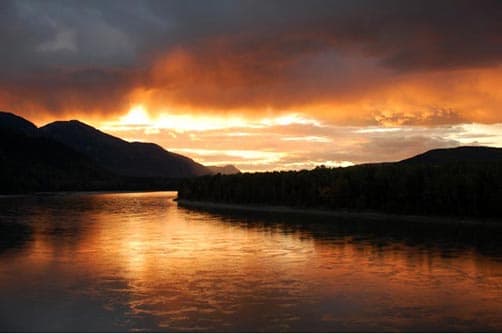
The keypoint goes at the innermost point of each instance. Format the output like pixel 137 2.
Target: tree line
pixel 454 189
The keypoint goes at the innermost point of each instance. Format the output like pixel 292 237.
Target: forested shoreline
pixel 456 189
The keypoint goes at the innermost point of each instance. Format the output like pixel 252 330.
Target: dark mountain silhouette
pixel 13 123
pixel 74 156
pixel 32 163
pixel 36 163
pixel 224 170
pixel 122 157
pixel 462 154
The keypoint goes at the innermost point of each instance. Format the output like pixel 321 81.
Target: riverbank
pixel 374 216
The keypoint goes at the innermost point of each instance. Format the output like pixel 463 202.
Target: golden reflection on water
pixel 139 262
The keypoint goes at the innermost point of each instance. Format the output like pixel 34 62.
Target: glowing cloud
pixel 137 115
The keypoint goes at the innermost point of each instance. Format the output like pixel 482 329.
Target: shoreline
pixel 83 192
pixel 69 192
pixel 375 216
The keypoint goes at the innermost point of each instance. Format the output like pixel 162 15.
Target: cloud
pixel 331 59
pixel 270 147
pixel 67 93
pixel 64 40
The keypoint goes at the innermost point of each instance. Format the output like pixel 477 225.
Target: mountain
pixel 462 154
pixel 29 162
pixel 121 157
pixel 224 170
pixel 73 156
pixel 13 123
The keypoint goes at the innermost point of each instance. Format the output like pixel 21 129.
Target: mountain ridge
pixel 42 159
pixel 13 122
pixel 137 159
pixel 74 155
pixel 460 154
pixel 29 162
pixel 224 170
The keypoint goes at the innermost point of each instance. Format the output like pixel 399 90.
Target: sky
pixel 263 85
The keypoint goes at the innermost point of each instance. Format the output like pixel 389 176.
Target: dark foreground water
pixel 138 262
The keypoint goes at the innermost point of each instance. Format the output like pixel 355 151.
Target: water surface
pixel 138 262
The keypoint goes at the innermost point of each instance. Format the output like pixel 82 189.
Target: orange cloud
pixel 306 74
pixel 243 75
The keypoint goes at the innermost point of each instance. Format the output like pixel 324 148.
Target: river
pixel 139 262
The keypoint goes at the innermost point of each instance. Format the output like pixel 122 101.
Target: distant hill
pixel 122 157
pixel 462 154
pixel 224 170
pixel 32 163
pixel 74 156
pixel 13 123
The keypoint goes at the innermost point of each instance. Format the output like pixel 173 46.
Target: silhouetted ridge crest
pixel 124 158
pixel 225 170
pixel 72 155
pixel 31 162
pixel 14 123
pixel 462 154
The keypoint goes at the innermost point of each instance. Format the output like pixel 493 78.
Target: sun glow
pixel 137 116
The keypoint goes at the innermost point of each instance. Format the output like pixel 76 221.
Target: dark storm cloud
pixel 102 33
pixel 88 55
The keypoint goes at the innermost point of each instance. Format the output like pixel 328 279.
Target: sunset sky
pixel 263 85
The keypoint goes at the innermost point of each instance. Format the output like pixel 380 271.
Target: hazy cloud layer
pixel 95 57
pixel 298 146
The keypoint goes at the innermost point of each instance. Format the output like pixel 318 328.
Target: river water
pixel 138 262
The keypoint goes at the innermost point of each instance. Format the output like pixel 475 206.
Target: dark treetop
pixel 464 181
